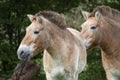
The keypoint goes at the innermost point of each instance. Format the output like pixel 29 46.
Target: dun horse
pixel 102 28
pixel 64 51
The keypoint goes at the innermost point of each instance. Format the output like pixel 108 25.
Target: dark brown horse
pixel 102 28
pixel 64 51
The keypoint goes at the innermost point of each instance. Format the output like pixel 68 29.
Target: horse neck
pixel 57 39
pixel 110 37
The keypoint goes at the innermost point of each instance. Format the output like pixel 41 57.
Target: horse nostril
pixel 21 53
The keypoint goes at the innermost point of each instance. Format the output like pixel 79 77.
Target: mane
pixel 106 11
pixel 54 17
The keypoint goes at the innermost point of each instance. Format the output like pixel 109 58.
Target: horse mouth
pixel 27 57
pixel 24 57
pixel 87 44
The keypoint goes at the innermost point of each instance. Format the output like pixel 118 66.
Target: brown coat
pixel 102 28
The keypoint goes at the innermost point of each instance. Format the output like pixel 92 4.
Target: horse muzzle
pixel 24 52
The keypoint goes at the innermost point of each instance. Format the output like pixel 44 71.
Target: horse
pixel 64 52
pixel 102 29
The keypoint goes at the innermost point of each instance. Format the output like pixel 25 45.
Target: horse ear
pixel 98 15
pixel 85 14
pixel 39 19
pixel 31 17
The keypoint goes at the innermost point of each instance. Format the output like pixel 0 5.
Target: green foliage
pixel 94 69
pixel 13 21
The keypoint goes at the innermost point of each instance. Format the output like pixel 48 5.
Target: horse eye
pixel 93 27
pixel 36 32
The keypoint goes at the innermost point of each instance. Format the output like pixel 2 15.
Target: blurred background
pixel 13 21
